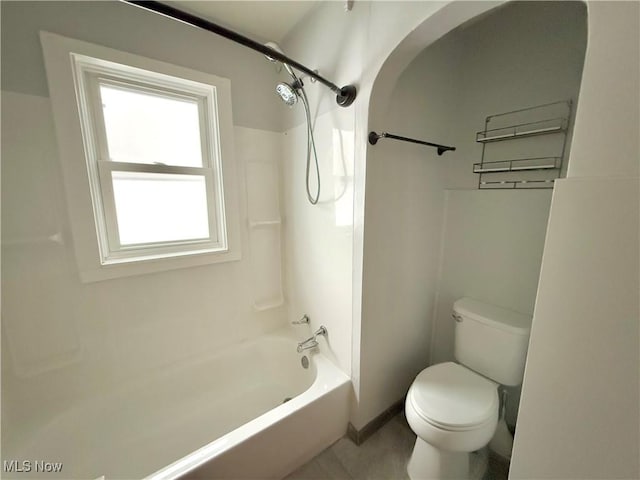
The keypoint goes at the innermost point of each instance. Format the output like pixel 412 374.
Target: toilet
pixel 453 407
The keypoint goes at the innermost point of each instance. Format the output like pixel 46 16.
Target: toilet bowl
pixel 453 408
pixel 453 412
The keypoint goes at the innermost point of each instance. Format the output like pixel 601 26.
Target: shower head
pixel 287 93
pixel 276 47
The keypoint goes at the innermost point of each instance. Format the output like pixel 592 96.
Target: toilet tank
pixel 491 340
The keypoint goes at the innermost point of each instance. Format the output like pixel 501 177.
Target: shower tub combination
pixel 250 411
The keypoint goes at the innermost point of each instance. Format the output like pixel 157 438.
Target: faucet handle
pixel 321 331
pixel 303 321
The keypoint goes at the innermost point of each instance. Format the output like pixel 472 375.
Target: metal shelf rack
pixel 517 185
pixel 537 163
pixel 532 163
pixel 522 130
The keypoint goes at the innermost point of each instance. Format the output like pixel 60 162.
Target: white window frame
pixel 90 73
pixel 75 71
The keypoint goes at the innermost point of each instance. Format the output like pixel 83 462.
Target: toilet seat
pixel 453 398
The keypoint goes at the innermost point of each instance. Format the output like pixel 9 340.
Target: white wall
pixel 606 132
pixel 132 29
pixel 580 408
pixel 63 340
pixel 492 249
pixel 522 55
pixel 318 238
pixel 348 47
pixel 403 231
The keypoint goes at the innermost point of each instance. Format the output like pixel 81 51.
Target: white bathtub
pixel 222 417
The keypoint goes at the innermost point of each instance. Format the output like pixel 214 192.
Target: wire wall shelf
pixel 523 149
pixel 542 127
pixel 539 163
pixel 518 184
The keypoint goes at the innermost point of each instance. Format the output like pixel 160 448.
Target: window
pixel 156 151
pixel 152 153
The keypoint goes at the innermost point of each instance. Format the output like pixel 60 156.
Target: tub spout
pixel 312 341
pixel 308 344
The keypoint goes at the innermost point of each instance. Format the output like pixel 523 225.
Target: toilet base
pixel 428 462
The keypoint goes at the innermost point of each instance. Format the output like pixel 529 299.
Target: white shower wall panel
pixel 104 333
pixel 318 238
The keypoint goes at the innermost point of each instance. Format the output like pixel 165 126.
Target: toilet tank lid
pixel 494 316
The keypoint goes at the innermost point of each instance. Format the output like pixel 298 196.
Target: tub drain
pixel 287 399
pixel 304 361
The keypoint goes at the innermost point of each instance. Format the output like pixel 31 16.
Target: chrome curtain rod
pixel 344 96
pixel 374 137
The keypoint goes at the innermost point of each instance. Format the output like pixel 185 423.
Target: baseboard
pixel 360 436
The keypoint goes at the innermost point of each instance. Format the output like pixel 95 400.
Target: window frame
pixel 75 72
pixel 90 74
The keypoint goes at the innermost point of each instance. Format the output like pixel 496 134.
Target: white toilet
pixel 453 408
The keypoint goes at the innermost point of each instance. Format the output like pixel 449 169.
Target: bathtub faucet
pixel 312 342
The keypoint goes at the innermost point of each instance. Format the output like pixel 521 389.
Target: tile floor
pixel 383 456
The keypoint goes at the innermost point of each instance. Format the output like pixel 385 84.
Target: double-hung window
pixel 153 139
pixel 153 160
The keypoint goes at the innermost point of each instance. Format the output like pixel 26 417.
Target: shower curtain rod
pixel 344 96
pixel 374 137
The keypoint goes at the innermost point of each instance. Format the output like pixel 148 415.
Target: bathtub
pixel 249 411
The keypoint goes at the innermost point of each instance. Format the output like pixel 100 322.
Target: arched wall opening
pixel 380 74
pixel 430 236
pixel 571 342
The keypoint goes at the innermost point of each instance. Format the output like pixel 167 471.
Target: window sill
pixel 116 268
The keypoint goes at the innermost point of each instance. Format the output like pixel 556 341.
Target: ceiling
pixel 259 20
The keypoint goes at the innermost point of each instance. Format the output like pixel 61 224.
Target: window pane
pixel 159 207
pixel 146 128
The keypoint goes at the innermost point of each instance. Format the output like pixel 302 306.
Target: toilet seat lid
pixel 453 397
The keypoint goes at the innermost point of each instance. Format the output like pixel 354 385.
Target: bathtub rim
pixel 328 378
pixel 159 373
pixel 321 381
